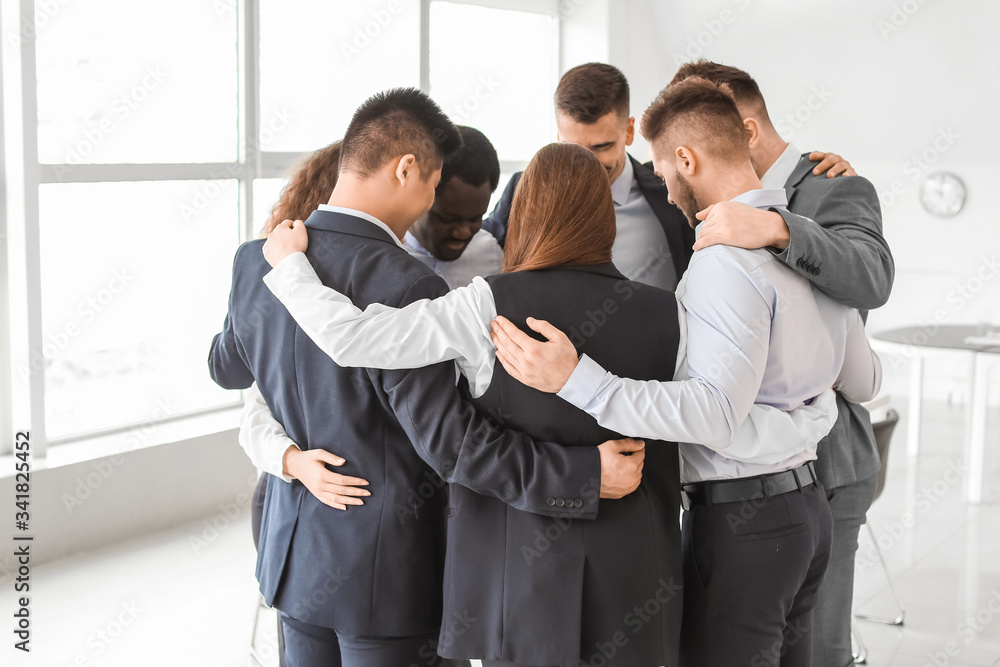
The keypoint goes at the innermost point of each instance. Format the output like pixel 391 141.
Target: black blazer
pixel 549 591
pixel 376 569
pixel 680 235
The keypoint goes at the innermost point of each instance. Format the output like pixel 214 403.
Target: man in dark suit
pixel 654 241
pixel 832 235
pixel 363 587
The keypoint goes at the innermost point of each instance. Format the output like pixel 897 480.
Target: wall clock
pixel 942 194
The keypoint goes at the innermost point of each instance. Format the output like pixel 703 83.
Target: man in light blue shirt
pixel 449 238
pixel 757 533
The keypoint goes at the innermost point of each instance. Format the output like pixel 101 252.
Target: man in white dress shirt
pixel 449 238
pixel 757 533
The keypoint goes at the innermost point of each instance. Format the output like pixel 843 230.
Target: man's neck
pixel 368 197
pixel 769 149
pixel 729 183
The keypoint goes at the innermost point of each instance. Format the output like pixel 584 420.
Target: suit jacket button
pixel 551 502
pixel 578 503
pixel 561 502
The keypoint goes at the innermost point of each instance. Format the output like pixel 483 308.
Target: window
pixel 152 138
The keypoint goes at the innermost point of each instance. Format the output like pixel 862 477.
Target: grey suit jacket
pixel 835 227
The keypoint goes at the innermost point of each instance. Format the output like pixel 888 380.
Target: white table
pixel 983 343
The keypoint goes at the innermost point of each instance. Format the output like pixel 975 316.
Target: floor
pixel 188 596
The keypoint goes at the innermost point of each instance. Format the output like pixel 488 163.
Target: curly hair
pixel 310 185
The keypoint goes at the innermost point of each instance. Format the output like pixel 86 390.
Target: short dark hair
pixel 398 122
pixel 704 111
pixel 745 90
pixel 475 163
pixel 592 90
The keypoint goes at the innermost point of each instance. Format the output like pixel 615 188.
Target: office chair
pixel 883 435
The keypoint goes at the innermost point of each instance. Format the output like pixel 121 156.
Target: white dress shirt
pixel 777 174
pixel 640 250
pixel 758 334
pixel 456 327
pixel 482 257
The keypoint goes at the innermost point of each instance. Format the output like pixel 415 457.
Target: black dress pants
pixel 752 570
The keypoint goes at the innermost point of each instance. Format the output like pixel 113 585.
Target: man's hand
pixel 287 238
pixel 542 366
pixel 832 164
pixel 741 225
pixel 621 473
pixel 330 488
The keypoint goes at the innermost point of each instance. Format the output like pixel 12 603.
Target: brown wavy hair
pixel 562 213
pixel 311 184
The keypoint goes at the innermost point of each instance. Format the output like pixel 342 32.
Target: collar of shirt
pixel 762 198
pixel 782 169
pixel 364 216
pixel 412 245
pixel 623 184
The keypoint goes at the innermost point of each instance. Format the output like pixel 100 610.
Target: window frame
pixel 251 164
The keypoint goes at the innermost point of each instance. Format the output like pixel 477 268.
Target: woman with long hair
pixel 522 589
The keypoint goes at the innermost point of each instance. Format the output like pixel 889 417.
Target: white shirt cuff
pixel 584 383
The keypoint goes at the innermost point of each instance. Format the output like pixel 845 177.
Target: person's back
pixel 281 357
pixel 568 586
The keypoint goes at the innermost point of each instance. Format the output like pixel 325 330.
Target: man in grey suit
pixel 832 235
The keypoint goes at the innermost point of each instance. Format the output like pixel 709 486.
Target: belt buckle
pixel 685 500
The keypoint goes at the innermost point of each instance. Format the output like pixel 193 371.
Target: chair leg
pixel 860 648
pixel 253 633
pixel 888 620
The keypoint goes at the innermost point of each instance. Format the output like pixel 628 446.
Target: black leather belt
pixel 747 488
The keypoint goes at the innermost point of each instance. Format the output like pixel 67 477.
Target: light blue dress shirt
pixel 482 257
pixel 756 333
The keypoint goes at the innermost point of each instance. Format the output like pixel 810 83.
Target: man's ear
pixel 685 160
pixel 630 131
pixel 752 128
pixel 406 169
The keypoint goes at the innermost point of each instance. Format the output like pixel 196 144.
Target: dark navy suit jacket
pixel 376 569
pixel 680 235
pixel 550 591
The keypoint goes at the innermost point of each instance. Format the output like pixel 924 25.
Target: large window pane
pixel 483 79
pixel 144 82
pixel 320 60
pixel 132 293
pixel 265 195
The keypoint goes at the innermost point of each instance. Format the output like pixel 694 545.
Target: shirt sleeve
pixel 861 375
pixel 729 322
pixel 262 437
pixel 452 327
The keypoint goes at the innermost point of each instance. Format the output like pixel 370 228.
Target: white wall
pixel 901 88
pixel 96 503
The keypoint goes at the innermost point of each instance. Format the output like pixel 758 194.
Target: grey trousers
pixel 832 614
